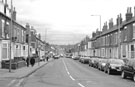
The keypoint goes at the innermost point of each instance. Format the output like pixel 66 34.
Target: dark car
pixel 113 65
pixel 128 70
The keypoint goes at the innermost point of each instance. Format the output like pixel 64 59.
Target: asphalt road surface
pixel 66 72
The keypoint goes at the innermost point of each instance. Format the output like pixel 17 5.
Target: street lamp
pixel 10 65
pixel 45 41
pixel 99 20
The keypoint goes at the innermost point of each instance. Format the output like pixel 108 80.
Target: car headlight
pixel 103 64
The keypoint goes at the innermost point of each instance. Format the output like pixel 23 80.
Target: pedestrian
pixel 47 58
pixel 27 61
pixel 32 61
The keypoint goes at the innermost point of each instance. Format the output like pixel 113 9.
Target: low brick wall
pixel 15 63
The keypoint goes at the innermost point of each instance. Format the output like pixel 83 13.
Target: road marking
pixel 68 71
pixel 71 77
pixel 81 85
pixel 65 66
pixel 11 82
pixel 19 83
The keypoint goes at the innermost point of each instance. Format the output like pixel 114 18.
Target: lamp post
pixel 29 44
pixel 119 39
pixel 10 65
pixel 45 41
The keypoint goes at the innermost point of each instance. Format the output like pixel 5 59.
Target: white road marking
pixel 72 78
pixel 68 71
pixel 81 85
pixel 19 83
pixel 70 75
pixel 11 82
pixel 65 66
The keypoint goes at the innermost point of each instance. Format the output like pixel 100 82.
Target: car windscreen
pixel 117 62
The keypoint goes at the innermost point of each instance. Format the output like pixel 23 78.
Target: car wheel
pixel 123 75
pixel 99 68
pixel 108 71
pixel 134 77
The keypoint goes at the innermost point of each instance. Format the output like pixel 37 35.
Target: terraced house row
pixel 114 41
pixel 19 35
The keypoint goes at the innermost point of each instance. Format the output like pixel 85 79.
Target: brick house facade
pixel 106 44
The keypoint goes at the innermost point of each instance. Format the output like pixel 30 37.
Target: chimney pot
pixel 27 25
pixel 129 14
pixel 110 23
pixel 14 8
pixel 120 15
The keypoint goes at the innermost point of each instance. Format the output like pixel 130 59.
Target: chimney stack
pixel 93 34
pixel 110 23
pixel 28 28
pixel 14 14
pixel 105 27
pixel 128 14
pixel 119 17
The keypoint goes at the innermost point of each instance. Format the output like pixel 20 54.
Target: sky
pixel 68 21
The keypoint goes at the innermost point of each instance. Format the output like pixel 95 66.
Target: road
pixel 66 72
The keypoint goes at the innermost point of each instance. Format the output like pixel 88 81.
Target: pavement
pixel 22 72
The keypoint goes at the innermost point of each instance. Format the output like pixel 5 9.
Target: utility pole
pixel 45 42
pixel 10 65
pixel 119 39
pixel 29 43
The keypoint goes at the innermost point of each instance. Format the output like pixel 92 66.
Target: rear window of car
pixel 104 60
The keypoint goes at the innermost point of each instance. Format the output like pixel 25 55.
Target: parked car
pixel 56 57
pixel 81 58
pixel 113 65
pixel 84 60
pixel 101 64
pixel 91 62
pixel 96 61
pixel 76 57
pixel 128 70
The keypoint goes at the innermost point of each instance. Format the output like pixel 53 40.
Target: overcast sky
pixel 68 21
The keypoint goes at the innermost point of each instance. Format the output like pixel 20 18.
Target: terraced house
pixel 18 34
pixel 115 41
